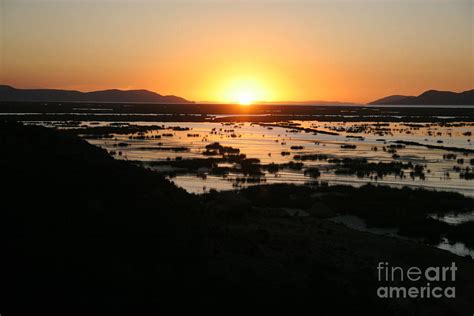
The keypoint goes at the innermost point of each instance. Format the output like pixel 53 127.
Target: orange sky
pixel 223 50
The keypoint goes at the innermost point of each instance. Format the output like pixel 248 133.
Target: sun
pixel 244 91
pixel 245 98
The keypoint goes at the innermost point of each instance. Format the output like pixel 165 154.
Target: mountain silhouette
pixel 8 93
pixel 391 99
pixel 430 97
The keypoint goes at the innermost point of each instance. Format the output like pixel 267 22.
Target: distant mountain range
pixel 8 93
pixel 430 97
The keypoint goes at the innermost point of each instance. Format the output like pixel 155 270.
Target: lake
pixel 375 142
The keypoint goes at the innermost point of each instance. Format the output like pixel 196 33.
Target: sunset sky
pixel 353 50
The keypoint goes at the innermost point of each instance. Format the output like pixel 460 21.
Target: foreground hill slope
pixel 84 233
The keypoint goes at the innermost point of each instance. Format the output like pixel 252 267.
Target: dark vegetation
pixel 462 232
pixel 348 146
pixel 217 149
pixel 407 209
pixel 311 157
pixel 296 147
pixel 83 233
pixel 312 172
pixel 466 174
pixel 273 167
pixel 362 168
pixel 157 148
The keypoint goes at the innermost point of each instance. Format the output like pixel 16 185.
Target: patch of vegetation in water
pixel 159 148
pixel 348 146
pixel 273 167
pixel 311 157
pixel 362 168
pixel 466 174
pixel 313 172
pixel 448 148
pixel 216 148
pixel 114 129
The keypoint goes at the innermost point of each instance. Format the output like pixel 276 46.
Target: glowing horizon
pixel 240 51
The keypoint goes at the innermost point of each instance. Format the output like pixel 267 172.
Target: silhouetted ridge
pixel 430 97
pixel 8 93
pixel 390 99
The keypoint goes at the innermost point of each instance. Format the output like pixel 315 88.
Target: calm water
pixel 267 144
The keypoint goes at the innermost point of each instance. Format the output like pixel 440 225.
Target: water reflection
pixel 354 140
